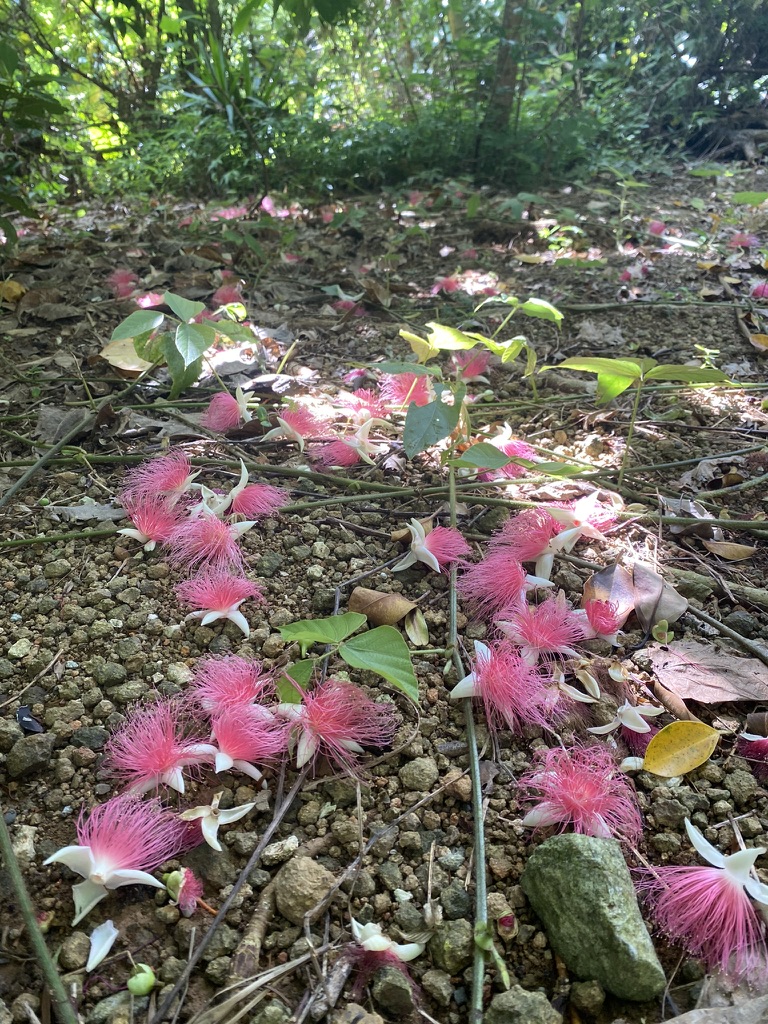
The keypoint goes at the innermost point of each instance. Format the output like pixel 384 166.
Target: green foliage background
pixel 225 97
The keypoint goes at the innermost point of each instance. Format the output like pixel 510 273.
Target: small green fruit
pixel 142 980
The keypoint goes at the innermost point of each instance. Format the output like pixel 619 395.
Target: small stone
pixel 128 693
pixel 109 673
pixel 178 673
pixel 518 1006
pixel 300 885
pixel 273 1013
pixel 455 901
pixel 743 623
pixel 272 646
pixel 117 1007
pixel 458 783
pixel 666 842
pixel 21 648
pixel 741 785
pixel 393 992
pixel 268 564
pixel 438 984
pixel 498 906
pixel 10 733
pixel 355 1014
pixel 452 859
pixel 278 853
pixel 391 875
pixel 75 951
pixel 419 775
pixel 224 940
pixel 91 736
pixel 171 969
pixel 669 813
pixel 452 946
pixel 216 868
pixel 588 997
pixel 217 971
pixel 56 569
pixel 23 843
pixel 309 813
pixel 30 754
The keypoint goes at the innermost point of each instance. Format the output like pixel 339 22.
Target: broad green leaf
pixel 610 386
pixel 473 204
pixel 183 308
pixel 482 456
pixel 425 425
pixel 140 322
pixel 705 172
pixel 750 198
pixel 541 310
pixel 632 368
pixel 423 350
pixel 687 374
pixel 192 340
pixel 235 331
pixel 149 346
pixel 556 469
pixel 383 650
pixel 680 747
pixel 245 14
pixel 511 349
pixel 183 375
pixel 449 339
pixel 331 630
pixel 298 673
pixel 396 366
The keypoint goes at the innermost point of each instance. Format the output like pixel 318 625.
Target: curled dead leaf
pixel 381 609
pixel 122 355
pixel 11 291
pixel 655 599
pixel 405 533
pixel 729 551
pixel 416 628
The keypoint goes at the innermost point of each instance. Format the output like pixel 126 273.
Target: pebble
pixel 10 733
pixel 458 783
pixel 107 673
pixel 419 775
pixel 393 992
pixel 75 950
pixel 299 886
pixel 455 901
pixel 56 569
pixel 278 853
pixel 741 785
pixel 581 889
pixel 452 946
pixel 21 648
pixel 669 813
pixel 518 1006
pixel 23 843
pixel 743 623
pixel 117 1007
pixel 438 984
pixel 352 1013
pixel 588 997
pixel 30 754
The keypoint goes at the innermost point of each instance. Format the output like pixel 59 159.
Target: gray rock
pixel 390 874
pixel 217 970
pixel 21 648
pixel 273 1013
pixel 438 984
pixel 299 886
pixel 452 946
pixel 56 569
pixel 218 869
pixel 268 564
pixel 420 774
pixel 743 623
pixel 588 997
pixel 581 889
pixel 10 733
pixel 30 754
pixel 117 1008
pixel 355 1014
pixel 74 952
pixel 456 901
pixel 91 736
pixel 669 813
pixel 128 693
pixel 517 1006
pixel 393 992
pixel 224 940
pixel 108 673
pixel 741 785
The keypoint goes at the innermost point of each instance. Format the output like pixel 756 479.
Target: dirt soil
pixel 92 626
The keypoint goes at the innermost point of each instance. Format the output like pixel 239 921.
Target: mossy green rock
pixel 581 889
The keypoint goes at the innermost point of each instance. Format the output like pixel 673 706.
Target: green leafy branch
pixel 381 650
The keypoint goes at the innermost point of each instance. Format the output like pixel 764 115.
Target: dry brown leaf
pixel 701 672
pixel 122 355
pixel 381 609
pixel 729 551
pixel 655 599
pixel 405 534
pixel 416 627
pixel 760 341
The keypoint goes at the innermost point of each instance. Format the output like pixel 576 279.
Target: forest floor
pixel 91 623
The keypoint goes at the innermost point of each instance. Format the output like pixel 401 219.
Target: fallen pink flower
pixel 511 690
pixel 755 750
pixel 759 290
pixel 123 283
pixel 225 411
pixel 226 295
pixel 601 621
pixel 119 843
pixel 708 910
pixel 657 227
pixel 228 213
pixel 154 519
pixel 551 628
pixel 362 405
pixel 184 889
pixel 349 306
pixel 218 595
pixel 338 720
pixel 445 284
pixel 528 537
pixel 226 681
pixel 169 474
pixel 583 788
pixel 241 738
pixel 743 240
pixel 149 749
pixel 497 584
pixel 207 541
pixel 297 425
pixel 258 500
pixel 149 300
pixel 399 390
pixel 338 454
pixel 437 549
pixel 513 448
pixel 470 366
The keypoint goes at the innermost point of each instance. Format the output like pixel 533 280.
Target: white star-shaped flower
pixel 630 717
pixel 100 876
pixel 419 552
pixel 737 866
pixel 371 937
pixel 211 817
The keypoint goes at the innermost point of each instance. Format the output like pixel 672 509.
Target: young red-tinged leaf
pixel 613 584
pixel 680 747
pixel 655 599
pixel 704 673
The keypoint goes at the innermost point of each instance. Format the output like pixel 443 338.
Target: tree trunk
pixel 503 91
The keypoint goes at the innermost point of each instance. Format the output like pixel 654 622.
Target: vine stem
pixel 481 883
pixel 64 1009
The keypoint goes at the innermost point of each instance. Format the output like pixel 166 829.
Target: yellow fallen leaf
pixel 122 355
pixel 730 552
pixel 759 341
pixel 529 258
pixel 709 265
pixel 11 291
pixel 679 748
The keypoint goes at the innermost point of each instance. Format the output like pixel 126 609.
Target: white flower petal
pixel 405 563
pixel 703 847
pixel 543 567
pixel 306 748
pixel 466 687
pixel 571 691
pixel 545 813
pixel 631 764
pixel 482 653
pixel 209 617
pixel 235 813
pixel 238 529
pixel 407 951
pixel 425 555
pixel 102 940
pixel 377 943
pixel 222 762
pixel 248 769
pixel 630 718
pixel 739 865
pixel 210 829
pixel 86 895
pixel 236 616
pixel 757 890
pixel 130 876
pixel 77 858
pixel 603 730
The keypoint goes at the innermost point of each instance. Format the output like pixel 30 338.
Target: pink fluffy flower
pixel 527 534
pixel 512 691
pixel 759 290
pixel 551 628
pixel 338 720
pixel 399 390
pixel 229 682
pixel 150 300
pixel 227 295
pixel 226 412
pixel 743 240
pixel 349 306
pixel 208 541
pixel 185 890
pixel 241 739
pixel 494 585
pixel 437 549
pixel 218 595
pixel 755 750
pixel 583 788
pixel 600 619
pixel 154 519
pixel 469 366
pixel 362 405
pixel 513 448
pixel 149 749
pixel 258 500
pixel 335 453
pixel 123 283
pixel 119 843
pixel 169 474
pixel 228 213
pixel 445 284
pixel 656 227
pixel 708 910
pixel 297 425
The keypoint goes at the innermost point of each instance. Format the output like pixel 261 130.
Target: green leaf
pixel 235 331
pixel 750 198
pixel 610 386
pixel 140 322
pixel 484 939
pixel 473 204
pixel 397 366
pixel 449 339
pixel 183 375
pixel 482 456
pixel 192 340
pixel 383 650
pixel 149 346
pixel 556 469
pixel 541 310
pixel 632 368
pixel 245 14
pixel 331 630
pixel 425 425
pixel 183 308
pixel 298 673
pixel 687 374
